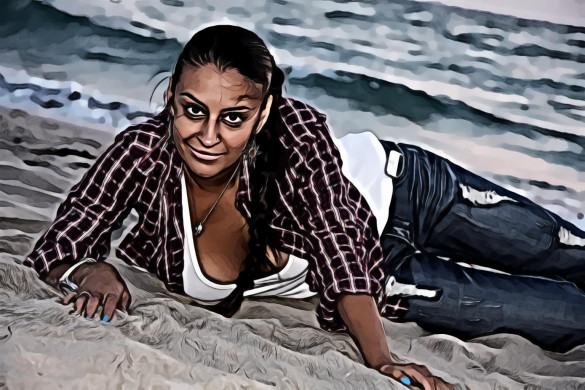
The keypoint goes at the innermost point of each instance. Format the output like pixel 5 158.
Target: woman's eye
pixel 194 111
pixel 233 119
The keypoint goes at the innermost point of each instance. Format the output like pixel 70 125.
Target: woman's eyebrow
pixel 236 108
pixel 244 97
pixel 194 99
pixel 239 99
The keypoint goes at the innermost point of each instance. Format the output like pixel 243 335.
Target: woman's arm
pixel 341 240
pixel 360 314
pixel 342 243
pixel 93 208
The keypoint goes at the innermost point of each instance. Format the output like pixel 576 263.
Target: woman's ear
pixel 264 114
pixel 169 95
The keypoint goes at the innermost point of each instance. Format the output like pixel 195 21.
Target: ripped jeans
pixel 442 214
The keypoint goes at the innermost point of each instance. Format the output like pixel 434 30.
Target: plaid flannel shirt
pixel 320 216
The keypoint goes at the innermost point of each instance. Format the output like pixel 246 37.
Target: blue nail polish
pixel 405 380
pixel 105 319
pixel 89 317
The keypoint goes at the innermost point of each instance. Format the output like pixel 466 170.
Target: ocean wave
pixel 68 100
pixel 491 84
pixel 499 67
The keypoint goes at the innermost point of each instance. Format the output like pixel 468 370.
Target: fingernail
pixel 405 380
pixel 89 317
pixel 105 319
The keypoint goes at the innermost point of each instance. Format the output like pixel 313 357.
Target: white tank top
pixel 365 164
pixel 289 282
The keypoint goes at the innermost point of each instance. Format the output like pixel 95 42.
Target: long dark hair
pixel 232 47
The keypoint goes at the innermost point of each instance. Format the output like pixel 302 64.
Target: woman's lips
pixel 204 155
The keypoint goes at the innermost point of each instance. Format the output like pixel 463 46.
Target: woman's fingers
pixel 391 371
pixel 125 301
pixel 67 299
pixel 441 385
pixel 429 382
pixel 80 302
pixel 415 375
pixel 102 281
pixel 110 303
pixel 406 375
pixel 423 370
pixel 88 303
pixel 91 307
pixel 426 382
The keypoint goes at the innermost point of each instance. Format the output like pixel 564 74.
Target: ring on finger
pixel 85 293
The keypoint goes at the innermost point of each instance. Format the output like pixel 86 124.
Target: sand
pixel 165 342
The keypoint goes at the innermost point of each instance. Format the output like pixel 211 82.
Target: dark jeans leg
pixel 472 303
pixel 440 209
pixel 491 226
pixel 451 212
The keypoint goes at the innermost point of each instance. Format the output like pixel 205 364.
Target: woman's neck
pixel 214 184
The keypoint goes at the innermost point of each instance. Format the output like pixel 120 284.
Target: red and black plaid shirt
pixel 320 216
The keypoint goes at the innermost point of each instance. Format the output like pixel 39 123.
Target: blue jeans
pixel 439 210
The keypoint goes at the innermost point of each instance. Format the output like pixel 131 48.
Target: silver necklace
pixel 199 228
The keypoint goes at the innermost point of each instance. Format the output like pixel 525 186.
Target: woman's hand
pixel 99 284
pixel 414 376
pixel 361 316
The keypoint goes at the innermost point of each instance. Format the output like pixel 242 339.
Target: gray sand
pixel 167 343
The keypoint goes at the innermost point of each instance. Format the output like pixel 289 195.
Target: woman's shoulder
pixel 303 123
pixel 145 143
pixel 294 111
pixel 146 133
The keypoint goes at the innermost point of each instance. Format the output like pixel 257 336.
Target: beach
pixel 499 95
pixel 165 342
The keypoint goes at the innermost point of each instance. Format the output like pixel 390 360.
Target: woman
pixel 232 183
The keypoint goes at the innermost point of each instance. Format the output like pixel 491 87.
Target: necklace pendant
pixel 198 230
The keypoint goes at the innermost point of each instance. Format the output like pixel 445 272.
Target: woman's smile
pixel 205 156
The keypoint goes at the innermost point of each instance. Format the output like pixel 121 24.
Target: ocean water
pixel 500 95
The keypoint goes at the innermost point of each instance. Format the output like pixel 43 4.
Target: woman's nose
pixel 209 135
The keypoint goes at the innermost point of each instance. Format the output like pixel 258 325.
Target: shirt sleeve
pixel 339 226
pixel 94 207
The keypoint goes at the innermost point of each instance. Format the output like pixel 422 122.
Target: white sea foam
pixel 572 102
pixel 352 7
pixel 423 16
pixel 571 12
pixel 458 29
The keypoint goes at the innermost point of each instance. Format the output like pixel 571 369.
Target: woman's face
pixel 214 114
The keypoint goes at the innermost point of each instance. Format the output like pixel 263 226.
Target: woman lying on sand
pixel 233 184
